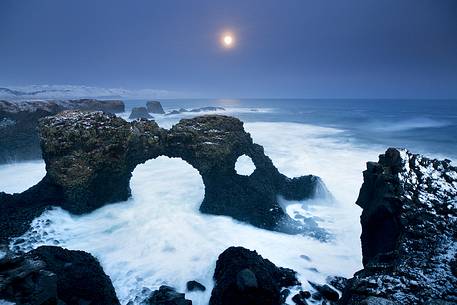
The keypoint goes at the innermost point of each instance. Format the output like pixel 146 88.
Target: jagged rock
pixel 338 282
pixel 154 107
pixel 195 286
pixel 326 291
pixel 299 299
pixel 52 275
pixel 90 157
pixel 284 294
pixel 166 296
pixel 409 232
pixel 243 277
pixel 139 113
pixel 19 120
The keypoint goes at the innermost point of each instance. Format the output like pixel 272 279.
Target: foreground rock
pixel 243 277
pixel 154 107
pixel 166 296
pixel 139 113
pixel 52 275
pixel 195 286
pixel 19 120
pixel 409 232
pixel 90 158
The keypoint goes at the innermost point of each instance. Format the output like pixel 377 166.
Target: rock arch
pixel 90 157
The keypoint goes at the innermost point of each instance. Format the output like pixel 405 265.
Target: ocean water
pixel 159 237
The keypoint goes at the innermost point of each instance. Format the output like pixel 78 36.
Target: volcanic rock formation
pixel 52 275
pixel 243 277
pixel 154 107
pixel 140 113
pixel 90 158
pixel 409 232
pixel 166 295
pixel 19 120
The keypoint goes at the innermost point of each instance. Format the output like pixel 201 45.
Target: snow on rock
pixel 409 232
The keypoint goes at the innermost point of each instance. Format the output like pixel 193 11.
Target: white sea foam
pixel 159 237
pixel 414 123
pixel 244 165
pixel 18 177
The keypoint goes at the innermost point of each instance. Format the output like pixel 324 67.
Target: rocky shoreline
pixel 409 232
pixel 409 218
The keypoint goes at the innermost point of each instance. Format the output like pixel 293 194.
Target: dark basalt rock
pixel 52 275
pixel 326 291
pixel 19 120
pixel 243 277
pixel 166 296
pixel 139 113
pixel 338 282
pixel 300 298
pixel 154 107
pixel 90 158
pixel 195 286
pixel 409 232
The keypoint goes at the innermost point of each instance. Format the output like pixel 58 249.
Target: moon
pixel 228 40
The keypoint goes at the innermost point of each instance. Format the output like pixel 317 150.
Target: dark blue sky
pixel 285 48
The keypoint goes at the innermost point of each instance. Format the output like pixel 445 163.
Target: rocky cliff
pixel 90 157
pixel 19 120
pixel 409 232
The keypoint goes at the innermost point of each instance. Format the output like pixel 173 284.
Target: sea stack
pixel 154 107
pixel 139 113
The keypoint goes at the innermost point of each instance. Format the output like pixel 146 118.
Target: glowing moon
pixel 228 40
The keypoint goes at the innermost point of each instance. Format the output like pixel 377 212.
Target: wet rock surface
pixel 195 286
pixel 154 107
pixel 243 277
pixel 90 157
pixel 52 275
pixel 19 120
pixel 166 295
pixel 409 232
pixel 140 113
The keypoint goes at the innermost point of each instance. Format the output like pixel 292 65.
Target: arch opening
pixel 167 180
pixel 244 166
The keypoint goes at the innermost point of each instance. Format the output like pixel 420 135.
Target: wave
pixel 409 124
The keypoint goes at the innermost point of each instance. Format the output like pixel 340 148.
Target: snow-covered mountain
pixel 72 91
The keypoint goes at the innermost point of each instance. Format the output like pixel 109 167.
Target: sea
pixel 159 237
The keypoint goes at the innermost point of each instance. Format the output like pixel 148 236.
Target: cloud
pixel 74 91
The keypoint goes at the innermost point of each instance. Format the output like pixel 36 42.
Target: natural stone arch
pixel 90 157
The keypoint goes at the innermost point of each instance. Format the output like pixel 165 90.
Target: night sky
pixel 284 48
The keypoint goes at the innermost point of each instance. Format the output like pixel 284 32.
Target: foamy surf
pixel 18 177
pixel 159 236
